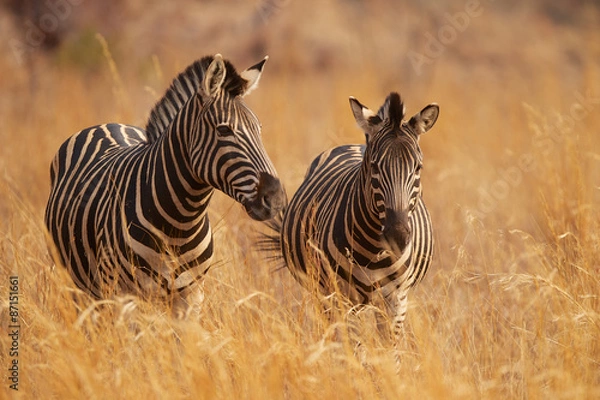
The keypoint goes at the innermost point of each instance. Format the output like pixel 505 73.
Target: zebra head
pixel 229 154
pixel 392 165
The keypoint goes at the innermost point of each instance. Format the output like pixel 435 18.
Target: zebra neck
pixel 169 183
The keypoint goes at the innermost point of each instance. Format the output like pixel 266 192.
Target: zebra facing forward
pixel 128 207
pixel 358 223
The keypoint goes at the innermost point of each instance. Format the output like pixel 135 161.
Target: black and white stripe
pixel 128 207
pixel 358 223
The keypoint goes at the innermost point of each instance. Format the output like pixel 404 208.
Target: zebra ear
pixel 366 119
pixel 252 76
pixel 214 76
pixel 423 121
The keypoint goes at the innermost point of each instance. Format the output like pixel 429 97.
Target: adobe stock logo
pixel 445 36
pixel 48 22
pixel 269 8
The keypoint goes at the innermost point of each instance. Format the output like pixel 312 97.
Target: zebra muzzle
pixel 269 200
pixel 396 231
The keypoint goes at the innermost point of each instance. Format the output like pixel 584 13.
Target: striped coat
pixel 358 224
pixel 127 211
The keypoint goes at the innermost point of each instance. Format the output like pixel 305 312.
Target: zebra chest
pixel 155 260
pixel 142 232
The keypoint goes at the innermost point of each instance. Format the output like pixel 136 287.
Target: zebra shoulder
pixel 336 156
pixel 123 135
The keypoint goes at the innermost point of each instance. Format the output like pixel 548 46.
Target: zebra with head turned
pixel 358 223
pixel 127 210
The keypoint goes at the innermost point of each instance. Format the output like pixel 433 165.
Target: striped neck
pixel 170 181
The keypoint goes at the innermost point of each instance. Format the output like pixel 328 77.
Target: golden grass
pixel 510 308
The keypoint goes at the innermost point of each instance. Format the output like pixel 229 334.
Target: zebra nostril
pixel 270 193
pixel 397 230
pixel 266 201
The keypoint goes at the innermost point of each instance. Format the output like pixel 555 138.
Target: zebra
pixel 357 224
pixel 127 210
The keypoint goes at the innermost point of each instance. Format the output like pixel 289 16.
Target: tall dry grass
pixel 510 308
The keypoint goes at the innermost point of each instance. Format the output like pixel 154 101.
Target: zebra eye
pixel 374 168
pixel 224 130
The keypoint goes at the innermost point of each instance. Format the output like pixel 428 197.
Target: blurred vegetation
pixel 510 308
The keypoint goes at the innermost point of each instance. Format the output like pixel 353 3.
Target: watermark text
pixel 37 30
pixel 14 328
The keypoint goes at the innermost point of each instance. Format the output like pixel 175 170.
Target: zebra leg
pixel 188 303
pixel 400 305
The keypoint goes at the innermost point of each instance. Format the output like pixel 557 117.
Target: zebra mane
pixel 393 109
pixel 183 87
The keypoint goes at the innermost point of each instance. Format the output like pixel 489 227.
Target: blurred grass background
pixel 510 308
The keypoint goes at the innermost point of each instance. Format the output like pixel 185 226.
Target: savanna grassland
pixel 510 308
